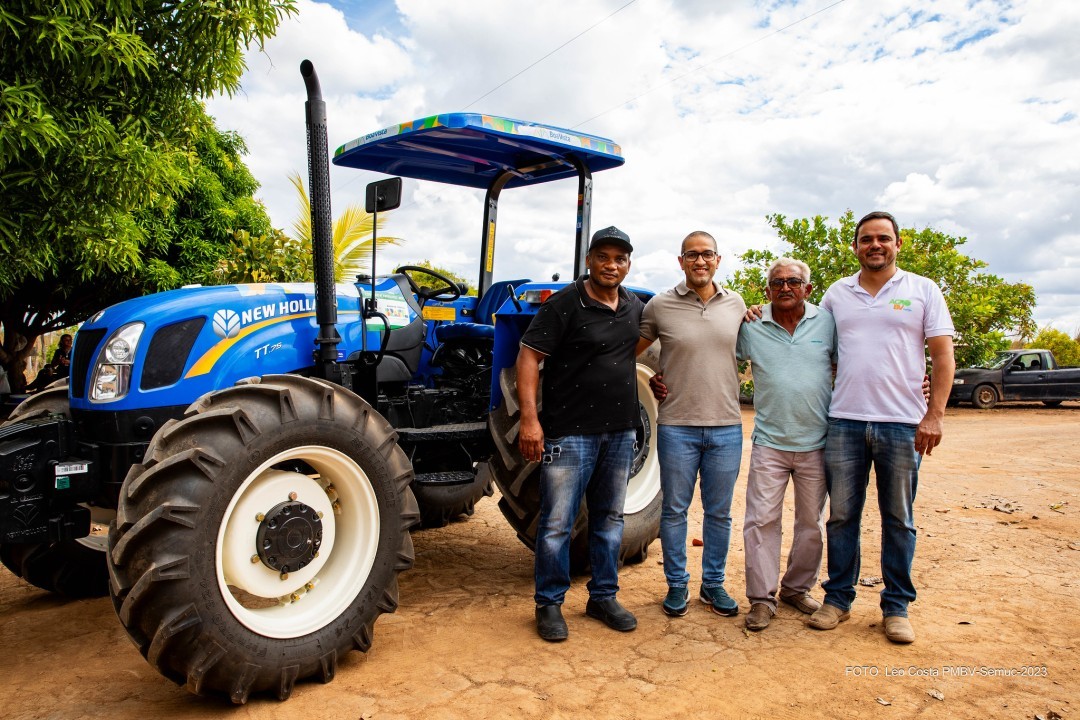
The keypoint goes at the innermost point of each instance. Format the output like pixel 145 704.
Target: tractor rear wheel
pixel 73 568
pixel 262 536
pixel 519 481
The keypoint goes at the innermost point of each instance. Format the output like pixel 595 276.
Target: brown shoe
pixel 801 602
pixel 827 617
pixel 759 617
pixel 899 630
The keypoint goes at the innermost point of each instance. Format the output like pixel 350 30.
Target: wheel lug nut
pixel 259 517
pixel 292 496
pixel 319 514
pixel 284 576
pixel 254 559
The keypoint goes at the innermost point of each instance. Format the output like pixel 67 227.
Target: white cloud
pixel 960 115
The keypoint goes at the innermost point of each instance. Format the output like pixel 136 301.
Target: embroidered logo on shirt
pixel 900 304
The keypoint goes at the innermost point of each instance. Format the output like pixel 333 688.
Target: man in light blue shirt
pixel 792 351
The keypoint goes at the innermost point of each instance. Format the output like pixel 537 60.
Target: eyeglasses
pixel 793 283
pixel 693 255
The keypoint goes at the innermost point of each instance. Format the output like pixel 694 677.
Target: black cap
pixel 611 236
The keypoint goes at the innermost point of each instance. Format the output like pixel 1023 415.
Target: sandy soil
pixel 998 621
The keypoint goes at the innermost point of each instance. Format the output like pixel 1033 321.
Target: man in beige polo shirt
pixel 700 424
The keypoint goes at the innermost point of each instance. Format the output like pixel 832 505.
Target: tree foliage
pixel 105 151
pixel 422 279
pixel 984 307
pixel 352 233
pixel 280 257
pixel 1066 349
pixel 271 257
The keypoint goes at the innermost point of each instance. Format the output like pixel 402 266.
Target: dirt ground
pixel 998 621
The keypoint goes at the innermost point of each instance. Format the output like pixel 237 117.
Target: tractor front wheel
pixel 262 536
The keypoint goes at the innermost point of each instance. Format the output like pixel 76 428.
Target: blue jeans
pixel 851 448
pixel 715 453
pixel 595 467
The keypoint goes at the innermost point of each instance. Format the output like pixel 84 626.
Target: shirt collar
pixel 853 280
pixel 809 310
pixel 683 289
pixel 586 300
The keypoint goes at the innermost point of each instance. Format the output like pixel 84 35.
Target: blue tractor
pixel 259 453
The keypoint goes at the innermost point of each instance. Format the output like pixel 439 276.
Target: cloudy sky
pixel 961 115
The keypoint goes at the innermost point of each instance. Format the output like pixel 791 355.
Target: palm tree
pixel 352 234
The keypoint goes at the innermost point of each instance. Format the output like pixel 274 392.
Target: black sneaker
pixel 675 602
pixel 614 615
pixel 719 601
pixel 550 624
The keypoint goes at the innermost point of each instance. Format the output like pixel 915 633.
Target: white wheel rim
pixel 314 596
pixel 645 485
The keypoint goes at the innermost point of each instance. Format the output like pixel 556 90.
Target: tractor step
pixel 454 477
pixel 457 431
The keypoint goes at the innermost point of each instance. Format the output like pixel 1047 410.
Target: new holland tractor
pixel 259 453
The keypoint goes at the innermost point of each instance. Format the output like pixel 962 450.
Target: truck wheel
pixel 519 481
pixel 262 536
pixel 984 397
pixel 73 568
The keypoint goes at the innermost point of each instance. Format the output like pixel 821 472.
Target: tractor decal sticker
pixel 435 312
pixel 204 364
pixel 226 323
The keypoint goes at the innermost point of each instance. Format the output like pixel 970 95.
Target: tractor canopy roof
pixel 471 150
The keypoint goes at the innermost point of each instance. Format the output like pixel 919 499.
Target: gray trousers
pixel 765 488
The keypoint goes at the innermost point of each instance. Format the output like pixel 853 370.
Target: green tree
pixel 1066 349
pixel 351 234
pixel 984 307
pixel 279 257
pixel 101 116
pixel 272 257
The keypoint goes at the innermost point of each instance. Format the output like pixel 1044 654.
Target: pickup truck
pixel 1031 375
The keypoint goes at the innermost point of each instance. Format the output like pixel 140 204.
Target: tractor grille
pixel 86 343
pixel 168 353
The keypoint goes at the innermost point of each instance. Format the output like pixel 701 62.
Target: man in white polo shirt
pixel 885 318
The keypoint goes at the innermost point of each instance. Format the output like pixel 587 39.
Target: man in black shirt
pixel 586 334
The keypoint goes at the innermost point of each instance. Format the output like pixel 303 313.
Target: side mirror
pixel 383 195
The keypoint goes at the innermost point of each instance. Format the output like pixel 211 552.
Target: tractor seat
pixel 483 326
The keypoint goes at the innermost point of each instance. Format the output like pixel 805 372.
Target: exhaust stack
pixel 326 364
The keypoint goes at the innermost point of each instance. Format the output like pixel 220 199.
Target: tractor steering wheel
pixel 449 291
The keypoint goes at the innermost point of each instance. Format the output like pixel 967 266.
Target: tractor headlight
pixel 112 370
pixel 958 381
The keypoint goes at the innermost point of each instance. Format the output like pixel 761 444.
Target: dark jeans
pixel 851 448
pixel 594 467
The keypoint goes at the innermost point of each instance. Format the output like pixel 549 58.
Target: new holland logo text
pixel 227 323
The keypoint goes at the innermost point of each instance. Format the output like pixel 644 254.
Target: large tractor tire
pixel 262 536
pixel 519 481
pixel 73 568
